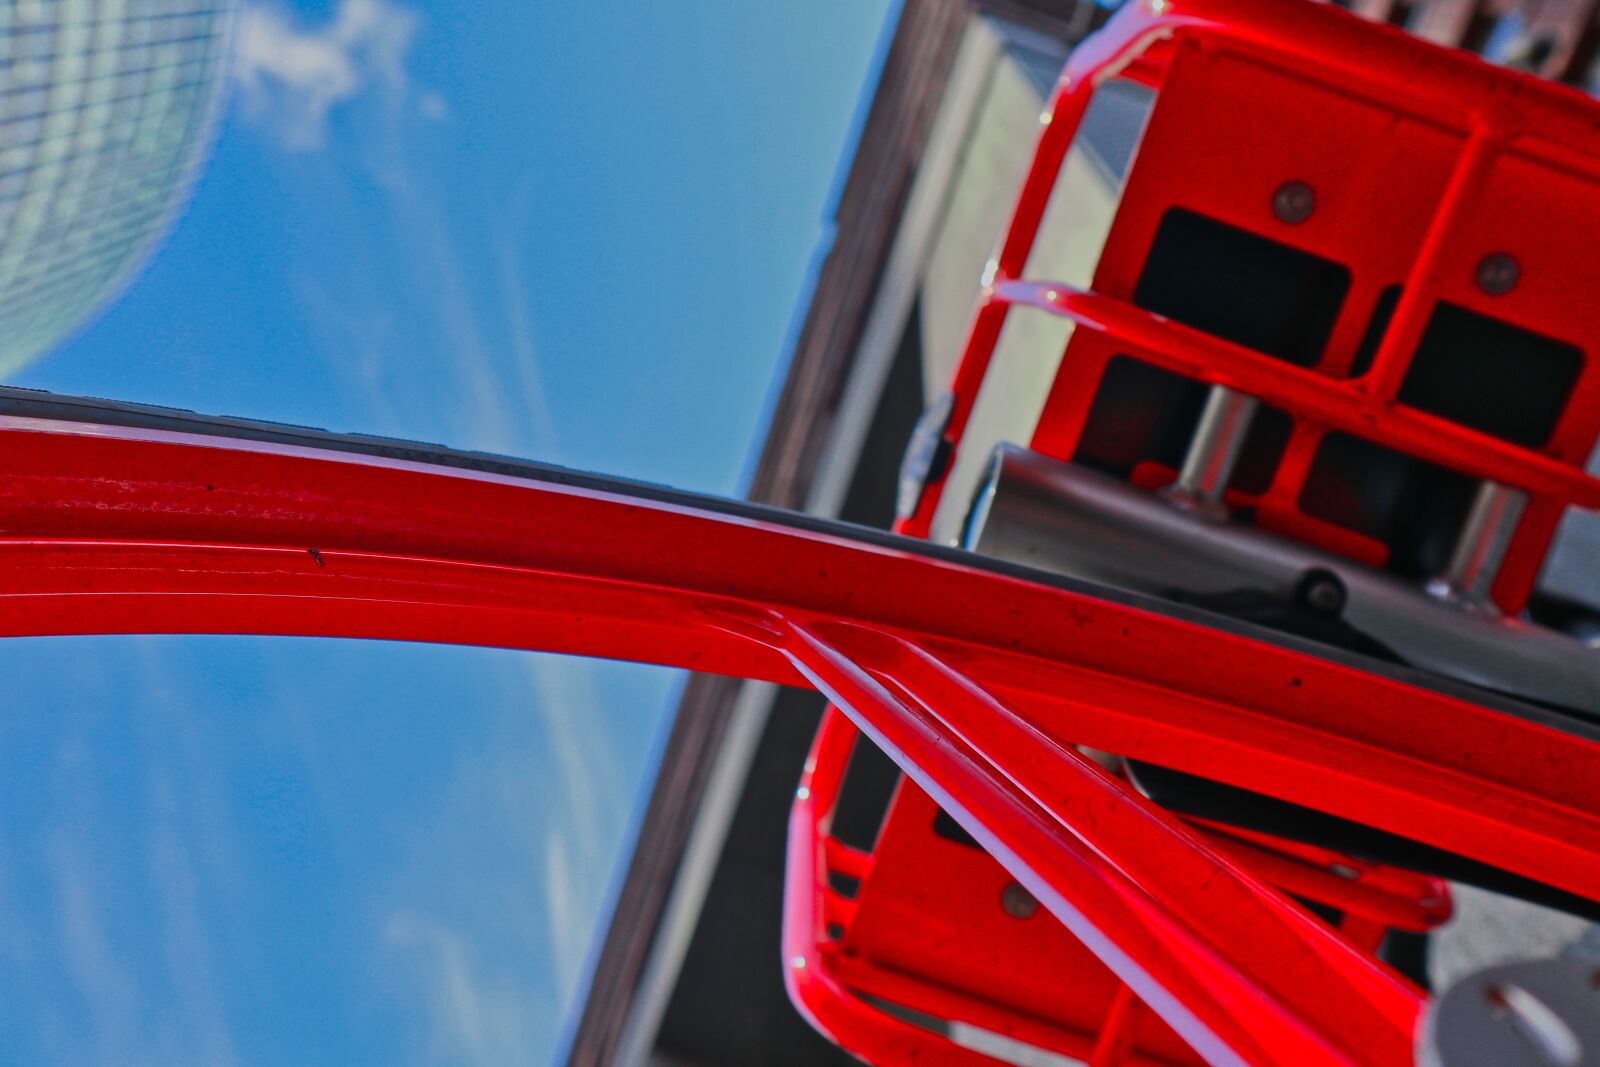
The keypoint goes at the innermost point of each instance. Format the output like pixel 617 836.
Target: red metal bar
pixel 893 987
pixel 1341 405
pixel 1416 912
pixel 836 1012
pixel 1127 879
pixel 851 862
pixel 1116 1036
pixel 108 530
pixel 1421 290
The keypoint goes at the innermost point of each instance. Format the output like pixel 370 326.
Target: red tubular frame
pixel 977 677
pixel 816 991
pixel 1477 125
pixel 1496 113
pixel 1139 888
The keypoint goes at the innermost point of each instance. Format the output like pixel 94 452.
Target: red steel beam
pixel 106 529
pixel 1239 972
pixel 122 530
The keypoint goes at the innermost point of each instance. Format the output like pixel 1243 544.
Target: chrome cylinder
pixel 1475 563
pixel 1208 465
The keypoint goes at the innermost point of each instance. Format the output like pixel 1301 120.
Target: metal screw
pixel 1322 592
pixel 1294 202
pixel 1498 273
pixel 1018 902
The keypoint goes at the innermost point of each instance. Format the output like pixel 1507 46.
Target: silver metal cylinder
pixel 1485 537
pixel 1208 465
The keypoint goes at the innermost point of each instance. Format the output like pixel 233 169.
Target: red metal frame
pixel 979 679
pixel 1424 162
pixel 1427 159
pixel 1160 941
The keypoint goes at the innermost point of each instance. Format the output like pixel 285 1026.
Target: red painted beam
pixel 108 530
pixel 1242 974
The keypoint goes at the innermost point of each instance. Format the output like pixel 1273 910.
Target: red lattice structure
pixel 1431 195
pixel 1425 162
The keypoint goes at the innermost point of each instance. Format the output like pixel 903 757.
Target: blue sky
pixel 577 232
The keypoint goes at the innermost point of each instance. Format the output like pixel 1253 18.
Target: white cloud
pixel 432 106
pixel 91 958
pixel 291 76
pixel 455 996
pixel 486 928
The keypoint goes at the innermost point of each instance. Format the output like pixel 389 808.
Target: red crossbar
pixel 1349 405
pixel 1126 878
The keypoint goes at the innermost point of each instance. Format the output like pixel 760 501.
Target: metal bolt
pixel 1498 273
pixel 1325 597
pixel 1018 902
pixel 1322 592
pixel 1293 202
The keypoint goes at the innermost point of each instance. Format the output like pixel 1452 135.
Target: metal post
pixel 1209 464
pixel 1473 567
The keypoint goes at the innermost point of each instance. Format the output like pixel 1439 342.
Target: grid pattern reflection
pixel 106 109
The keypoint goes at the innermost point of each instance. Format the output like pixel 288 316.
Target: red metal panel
pixel 933 911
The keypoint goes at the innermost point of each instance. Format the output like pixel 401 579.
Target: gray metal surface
pixel 1487 928
pixel 1536 1013
pixel 1058 517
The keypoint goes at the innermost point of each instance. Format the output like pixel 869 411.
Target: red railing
pixel 979 679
